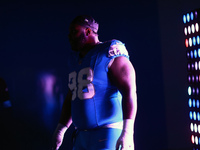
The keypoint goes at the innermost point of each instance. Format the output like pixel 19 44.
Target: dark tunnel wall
pixel 33 62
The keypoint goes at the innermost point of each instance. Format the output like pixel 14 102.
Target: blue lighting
pixel 184 19
pixel 191 54
pixel 198 40
pixel 198 116
pixel 196 140
pixel 199 144
pixel 194 102
pixel 195 53
pixel 192 16
pixel 190 115
pixel 188 17
pixel 190 102
pixel 199 52
pixel 194 41
pixel 194 115
pixel 197 103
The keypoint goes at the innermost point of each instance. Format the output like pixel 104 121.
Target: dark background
pixel 34 48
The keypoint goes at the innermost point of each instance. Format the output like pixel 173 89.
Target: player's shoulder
pixel 116 48
pixel 112 42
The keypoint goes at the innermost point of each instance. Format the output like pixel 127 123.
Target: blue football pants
pixel 98 139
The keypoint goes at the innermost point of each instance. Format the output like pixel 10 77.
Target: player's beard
pixel 79 43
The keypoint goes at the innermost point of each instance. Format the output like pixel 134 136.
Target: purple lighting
pixel 192 66
pixel 192 78
pixel 196 14
pixel 197 78
pixel 197 91
pixel 188 66
pixel 188 55
pixel 189 78
pixel 193 91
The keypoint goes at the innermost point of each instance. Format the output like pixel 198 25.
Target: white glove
pixel 58 136
pixel 125 141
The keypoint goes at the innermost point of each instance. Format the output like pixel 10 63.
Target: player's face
pixel 77 37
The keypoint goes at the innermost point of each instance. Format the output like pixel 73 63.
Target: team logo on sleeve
pixel 117 49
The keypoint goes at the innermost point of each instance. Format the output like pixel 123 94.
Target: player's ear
pixel 88 31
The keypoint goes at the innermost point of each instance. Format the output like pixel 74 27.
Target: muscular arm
pixel 65 117
pixel 122 74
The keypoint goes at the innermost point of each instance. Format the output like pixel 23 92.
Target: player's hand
pixel 125 141
pixel 58 136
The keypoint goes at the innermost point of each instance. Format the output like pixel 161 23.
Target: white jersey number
pixel 85 78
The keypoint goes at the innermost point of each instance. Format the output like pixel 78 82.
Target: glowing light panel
pixel 194 41
pixel 190 42
pixel 197 27
pixel 191 21
pixel 191 127
pixel 186 42
pixel 185 31
pixel 184 18
pixel 189 90
pixel 193 28
pixel 192 16
pixel 189 30
pixel 188 17
pixel 199 52
pixel 190 102
pixel 198 40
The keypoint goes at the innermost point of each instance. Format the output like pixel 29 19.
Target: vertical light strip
pixel 191 21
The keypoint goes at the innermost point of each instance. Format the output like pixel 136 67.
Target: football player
pixel 101 101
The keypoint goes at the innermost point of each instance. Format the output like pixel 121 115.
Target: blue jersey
pixel 95 100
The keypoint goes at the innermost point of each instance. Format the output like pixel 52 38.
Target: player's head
pixel 83 32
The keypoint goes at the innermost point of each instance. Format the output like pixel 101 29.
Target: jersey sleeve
pixel 116 49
